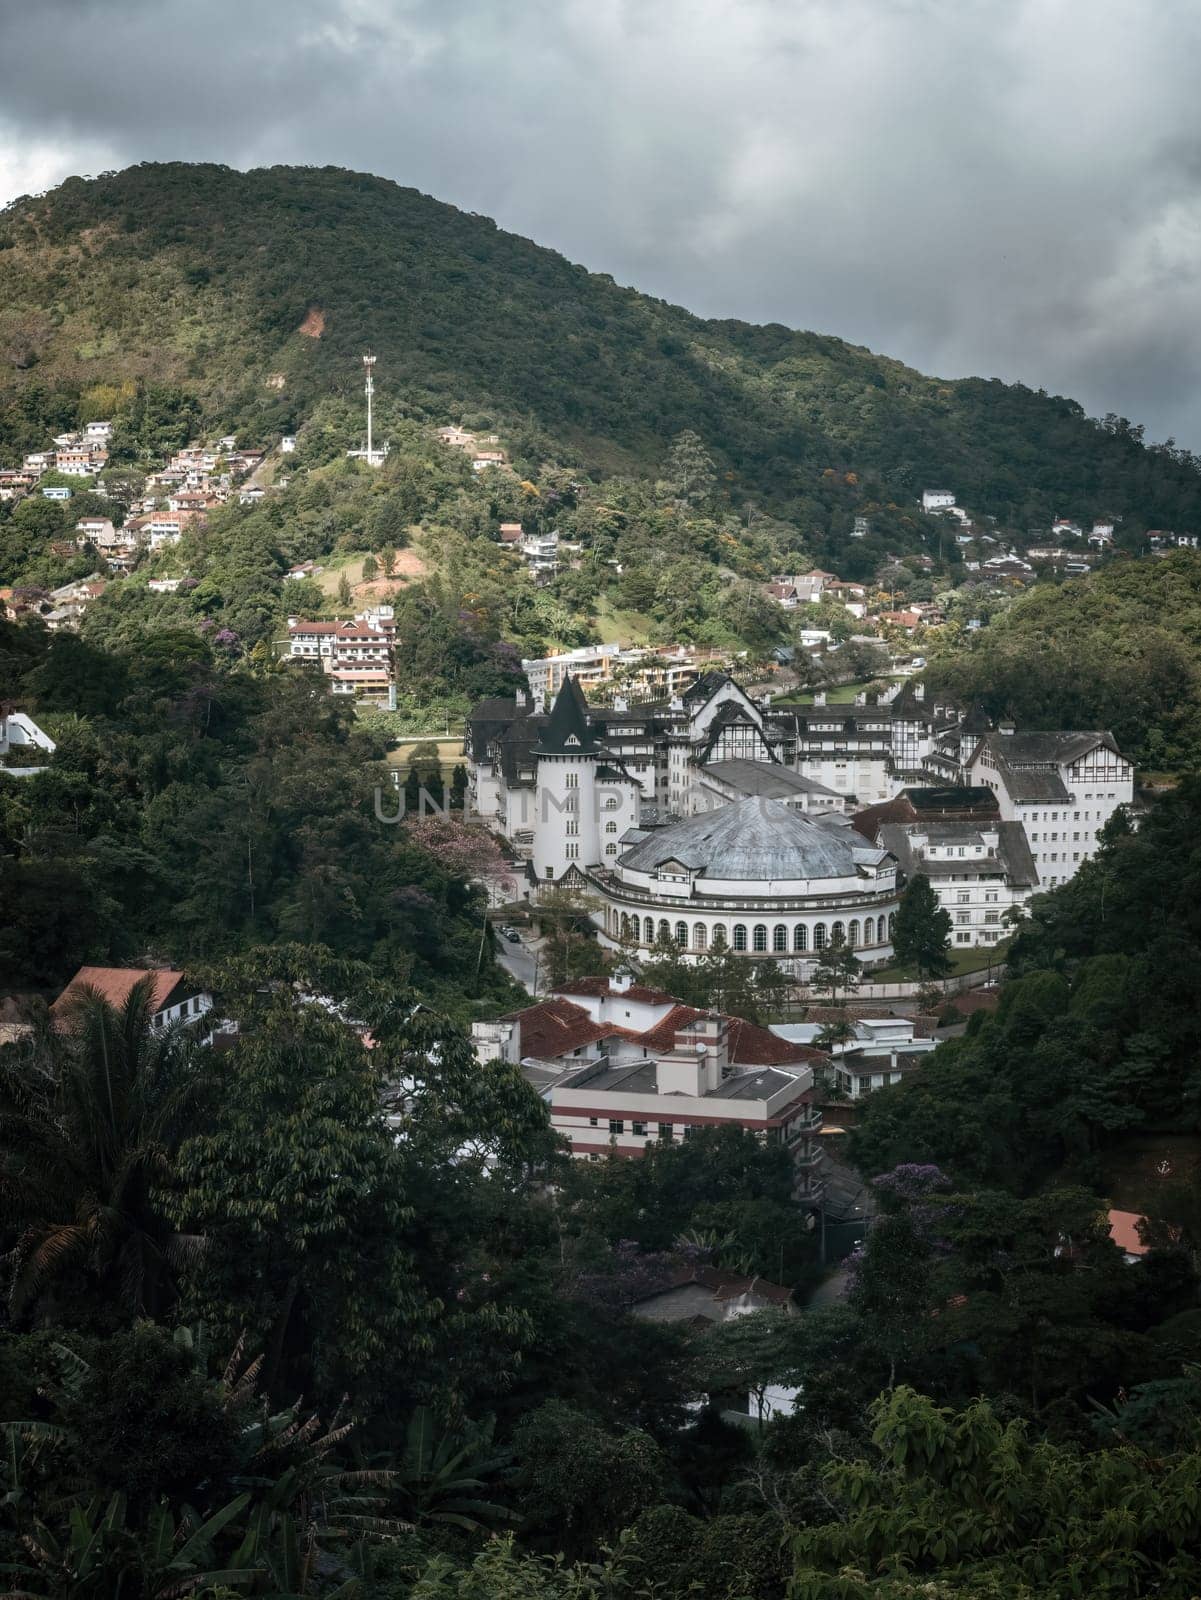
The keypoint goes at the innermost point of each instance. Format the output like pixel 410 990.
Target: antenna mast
pixel 368 364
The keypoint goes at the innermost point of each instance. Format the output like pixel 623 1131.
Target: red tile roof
pixel 724 1285
pixel 750 1045
pixel 554 1028
pixel 1123 1230
pixel 115 985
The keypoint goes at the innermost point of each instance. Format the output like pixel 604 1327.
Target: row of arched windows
pixel 758 937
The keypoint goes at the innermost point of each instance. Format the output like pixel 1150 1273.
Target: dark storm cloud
pixel 1009 189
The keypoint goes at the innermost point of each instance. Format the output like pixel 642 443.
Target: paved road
pixel 521 961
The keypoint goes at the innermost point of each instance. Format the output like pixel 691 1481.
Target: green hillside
pixel 193 282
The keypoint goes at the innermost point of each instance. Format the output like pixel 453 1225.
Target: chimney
pixel 861 698
pixel 621 981
pixel 522 698
pixel 819 698
pixel 1006 726
pixel 620 703
pixel 698 1060
pixel 919 691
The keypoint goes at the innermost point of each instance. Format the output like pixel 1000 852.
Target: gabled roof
pixel 723 1285
pixel 115 984
pixel 567 730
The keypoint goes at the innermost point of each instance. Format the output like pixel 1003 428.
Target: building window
pixel 719 934
pixel 963 938
pixel 610 827
pixel 760 936
pixel 592 1122
pixel 739 936
pixel 990 897
pixel 838 934
pixel 963 897
pixel 992 916
pixel 682 935
pixel 699 936
pixel 616 1125
pixel 963 916
pixel 819 936
pixel 572 780
pixel 639 1128
pixel 572 852
pixel 664 931
pixel 665 1132
pixel 779 938
pixel 573 828
pixel 610 849
pixel 853 934
pixel 800 937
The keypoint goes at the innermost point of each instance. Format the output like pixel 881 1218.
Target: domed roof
pixel 753 839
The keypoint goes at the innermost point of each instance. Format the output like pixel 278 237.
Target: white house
pixel 23 745
pixel 172 998
pixel 938 499
pixel 979 870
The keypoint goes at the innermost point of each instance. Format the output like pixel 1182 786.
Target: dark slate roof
pixel 767 778
pixel 1012 856
pixel 568 730
pixel 516 746
pixel 706 685
pixel 1038 749
pixel 752 839
pixel 489 718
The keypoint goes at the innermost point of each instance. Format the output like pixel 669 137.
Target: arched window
pixel 610 849
pixel 739 936
pixel 779 938
pixel 800 937
pixel 682 935
pixel 853 934
pixel 838 933
pixel 648 931
pixel 625 926
pixel 664 930
pixel 700 936
pixel 881 930
pixel 819 936
pixel 610 827
pixel 760 936
pixel 892 922
pixel 719 935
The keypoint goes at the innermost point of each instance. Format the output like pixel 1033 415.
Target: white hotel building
pixel 1062 787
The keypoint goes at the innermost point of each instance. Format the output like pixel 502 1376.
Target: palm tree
pixel 441 1479
pixel 91 1117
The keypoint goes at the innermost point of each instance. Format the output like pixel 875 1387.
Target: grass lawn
pixel 843 695
pixel 450 754
pixel 973 959
pixel 626 627
pixel 408 565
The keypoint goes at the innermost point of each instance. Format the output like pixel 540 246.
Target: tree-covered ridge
pixel 1116 650
pixel 200 278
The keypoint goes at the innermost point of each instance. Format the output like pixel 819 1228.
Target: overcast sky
pixel 1001 187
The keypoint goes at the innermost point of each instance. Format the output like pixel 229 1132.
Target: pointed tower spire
pixel 567 730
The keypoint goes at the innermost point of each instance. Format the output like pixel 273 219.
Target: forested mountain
pixel 196 284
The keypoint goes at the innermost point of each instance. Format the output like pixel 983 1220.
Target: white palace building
pixel 715 817
pixel 756 873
